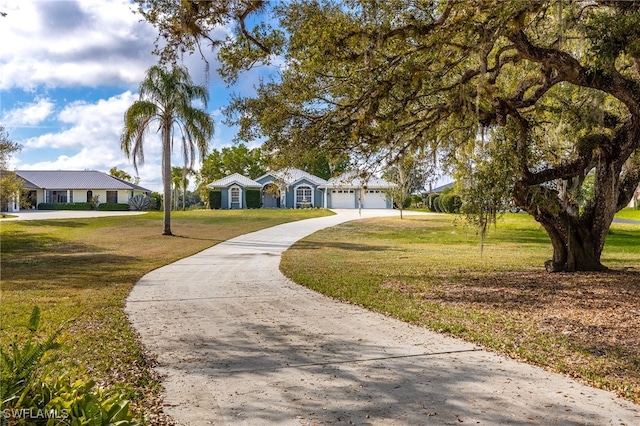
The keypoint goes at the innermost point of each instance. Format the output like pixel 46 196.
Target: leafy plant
pixel 142 202
pixel 20 365
pixel 31 397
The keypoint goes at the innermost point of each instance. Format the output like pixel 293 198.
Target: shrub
pixel 450 203
pixel 64 206
pixel 142 202
pixel 113 207
pixel 254 198
pixel 215 199
pixel 26 388
pixel 432 202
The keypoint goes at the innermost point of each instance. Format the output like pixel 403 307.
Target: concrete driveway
pixel 239 344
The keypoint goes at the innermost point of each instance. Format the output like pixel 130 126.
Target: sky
pixel 69 69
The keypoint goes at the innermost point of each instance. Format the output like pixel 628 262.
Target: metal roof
pixel 236 178
pixel 351 180
pixel 70 179
pixel 291 175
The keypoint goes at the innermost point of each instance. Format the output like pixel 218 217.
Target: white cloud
pixel 73 43
pixel 91 140
pixel 29 115
pixel 87 124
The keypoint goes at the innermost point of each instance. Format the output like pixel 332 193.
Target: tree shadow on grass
pixel 53 222
pixel 319 245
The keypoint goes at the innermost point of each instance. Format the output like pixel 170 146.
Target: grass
pixel 80 271
pixel 429 270
pixel 629 213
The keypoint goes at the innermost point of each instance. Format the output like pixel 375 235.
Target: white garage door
pixel 374 199
pixel 343 199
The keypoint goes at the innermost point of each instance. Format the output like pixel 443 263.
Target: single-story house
pixel 289 188
pixel 66 186
pixel 349 191
pixel 233 190
pixel 294 188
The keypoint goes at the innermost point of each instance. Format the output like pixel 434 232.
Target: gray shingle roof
pixel 237 179
pixel 78 179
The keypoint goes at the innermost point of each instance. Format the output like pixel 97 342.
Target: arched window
pixel 304 197
pixel 235 198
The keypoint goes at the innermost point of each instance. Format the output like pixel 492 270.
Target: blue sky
pixel 68 71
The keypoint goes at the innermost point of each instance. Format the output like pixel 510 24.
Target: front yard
pixel 430 270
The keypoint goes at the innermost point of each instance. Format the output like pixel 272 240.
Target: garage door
pixel 343 199
pixel 374 199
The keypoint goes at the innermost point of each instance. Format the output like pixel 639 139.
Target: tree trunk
pixel 576 247
pixel 166 177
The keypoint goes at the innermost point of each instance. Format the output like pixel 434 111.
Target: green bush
pixel 29 396
pixel 432 202
pixel 64 206
pixel 113 207
pixel 450 203
pixel 158 197
pixel 215 199
pixel 254 198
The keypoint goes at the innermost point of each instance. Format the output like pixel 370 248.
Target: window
pixel 235 194
pixel 112 196
pixel 55 196
pixel 89 196
pixel 303 196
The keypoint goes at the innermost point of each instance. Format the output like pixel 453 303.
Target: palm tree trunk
pixel 166 176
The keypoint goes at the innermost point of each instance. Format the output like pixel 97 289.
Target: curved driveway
pixel 240 344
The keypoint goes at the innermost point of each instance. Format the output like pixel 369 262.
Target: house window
pixel 112 196
pixel 235 195
pixel 303 197
pixel 89 196
pixel 55 196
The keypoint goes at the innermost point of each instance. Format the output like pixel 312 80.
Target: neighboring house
pixel 294 188
pixel 233 191
pixel 352 192
pixel 64 186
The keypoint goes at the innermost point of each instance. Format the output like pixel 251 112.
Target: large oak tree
pixel 546 92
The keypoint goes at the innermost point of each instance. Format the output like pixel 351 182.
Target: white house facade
pixel 65 186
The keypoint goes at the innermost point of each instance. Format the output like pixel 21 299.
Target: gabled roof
pixel 291 175
pixel 236 178
pixel 352 180
pixel 443 187
pixel 73 179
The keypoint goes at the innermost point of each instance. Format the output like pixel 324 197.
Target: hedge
pixel 450 203
pixel 64 206
pixel 254 198
pixel 215 199
pixel 113 207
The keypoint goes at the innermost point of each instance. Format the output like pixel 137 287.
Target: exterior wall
pixel 225 198
pixel 316 194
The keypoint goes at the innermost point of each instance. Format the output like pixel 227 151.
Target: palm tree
pixel 166 97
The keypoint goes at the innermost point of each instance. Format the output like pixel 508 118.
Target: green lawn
pixel 80 271
pixel 629 213
pixel 430 270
